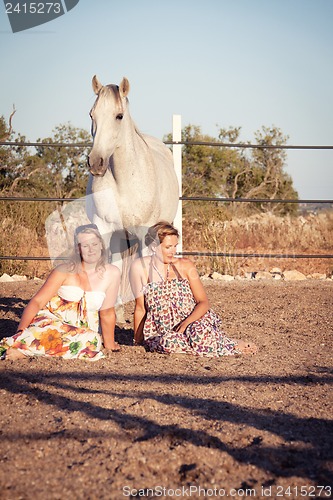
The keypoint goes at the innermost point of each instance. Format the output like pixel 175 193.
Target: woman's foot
pixel 113 347
pixel 247 348
pixel 14 354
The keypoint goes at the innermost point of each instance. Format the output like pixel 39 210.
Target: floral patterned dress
pixel 169 302
pixel 67 327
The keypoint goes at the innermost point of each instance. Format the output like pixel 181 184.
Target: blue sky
pixel 218 63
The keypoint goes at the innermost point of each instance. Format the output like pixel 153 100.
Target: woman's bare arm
pixel 107 313
pixel 137 279
pixel 40 299
pixel 190 272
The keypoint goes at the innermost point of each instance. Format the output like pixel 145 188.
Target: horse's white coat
pixel 133 183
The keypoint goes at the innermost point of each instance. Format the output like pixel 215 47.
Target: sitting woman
pixel 62 319
pixel 172 312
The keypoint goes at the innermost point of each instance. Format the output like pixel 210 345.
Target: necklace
pixel 160 275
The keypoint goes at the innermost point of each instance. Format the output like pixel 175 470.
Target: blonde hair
pixel 159 231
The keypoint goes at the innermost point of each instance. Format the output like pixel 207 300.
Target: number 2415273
pixel 33 8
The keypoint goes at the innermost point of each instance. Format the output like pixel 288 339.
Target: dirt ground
pixel 138 424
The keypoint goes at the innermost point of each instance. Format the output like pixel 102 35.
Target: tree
pixel 65 167
pixel 263 175
pixel 224 171
pixel 11 157
pixel 51 171
pixel 54 172
pixel 205 168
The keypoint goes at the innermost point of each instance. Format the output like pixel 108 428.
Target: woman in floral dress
pixel 62 319
pixel 172 312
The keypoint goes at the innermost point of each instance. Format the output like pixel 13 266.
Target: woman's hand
pixel 181 327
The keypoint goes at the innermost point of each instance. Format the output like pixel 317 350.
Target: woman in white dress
pixel 63 318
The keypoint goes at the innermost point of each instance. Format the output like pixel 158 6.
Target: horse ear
pixel 124 87
pixel 96 84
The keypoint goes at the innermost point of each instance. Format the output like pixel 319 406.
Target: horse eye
pixel 120 116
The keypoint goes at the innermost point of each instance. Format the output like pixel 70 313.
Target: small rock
pixel 227 277
pixel 17 277
pixel 293 275
pixel 276 270
pixel 263 275
pixel 318 276
pixel 5 278
pixel 215 275
pixel 221 277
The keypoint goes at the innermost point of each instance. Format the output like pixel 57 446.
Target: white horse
pixel 133 183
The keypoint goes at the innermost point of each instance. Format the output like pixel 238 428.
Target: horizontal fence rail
pixel 183 198
pixel 244 145
pixel 250 200
pixel 182 143
pixel 258 255
pixel 199 254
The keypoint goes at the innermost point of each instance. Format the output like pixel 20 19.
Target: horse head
pixel 108 115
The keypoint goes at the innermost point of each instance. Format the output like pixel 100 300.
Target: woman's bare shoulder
pixel 184 263
pixel 112 270
pixel 64 268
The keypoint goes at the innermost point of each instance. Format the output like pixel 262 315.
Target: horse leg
pixel 123 250
pixel 130 251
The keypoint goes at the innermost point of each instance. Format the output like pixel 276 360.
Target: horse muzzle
pixel 97 166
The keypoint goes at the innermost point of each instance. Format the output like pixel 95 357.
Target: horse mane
pixel 140 134
pixel 112 89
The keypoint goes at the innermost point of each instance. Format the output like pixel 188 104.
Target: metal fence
pixel 185 198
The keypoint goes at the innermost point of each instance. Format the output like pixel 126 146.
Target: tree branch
pixel 10 121
pixel 23 178
pixel 236 181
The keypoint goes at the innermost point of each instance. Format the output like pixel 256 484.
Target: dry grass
pixel 262 234
pixel 208 230
pixel 22 234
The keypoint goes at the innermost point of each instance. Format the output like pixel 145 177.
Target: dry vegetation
pixel 23 233
pixel 263 233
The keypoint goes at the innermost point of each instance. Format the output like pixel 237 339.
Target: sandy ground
pixel 138 424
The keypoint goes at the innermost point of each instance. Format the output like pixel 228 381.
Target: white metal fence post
pixel 177 160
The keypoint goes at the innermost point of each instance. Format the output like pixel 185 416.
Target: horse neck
pixel 132 150
pixel 132 131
